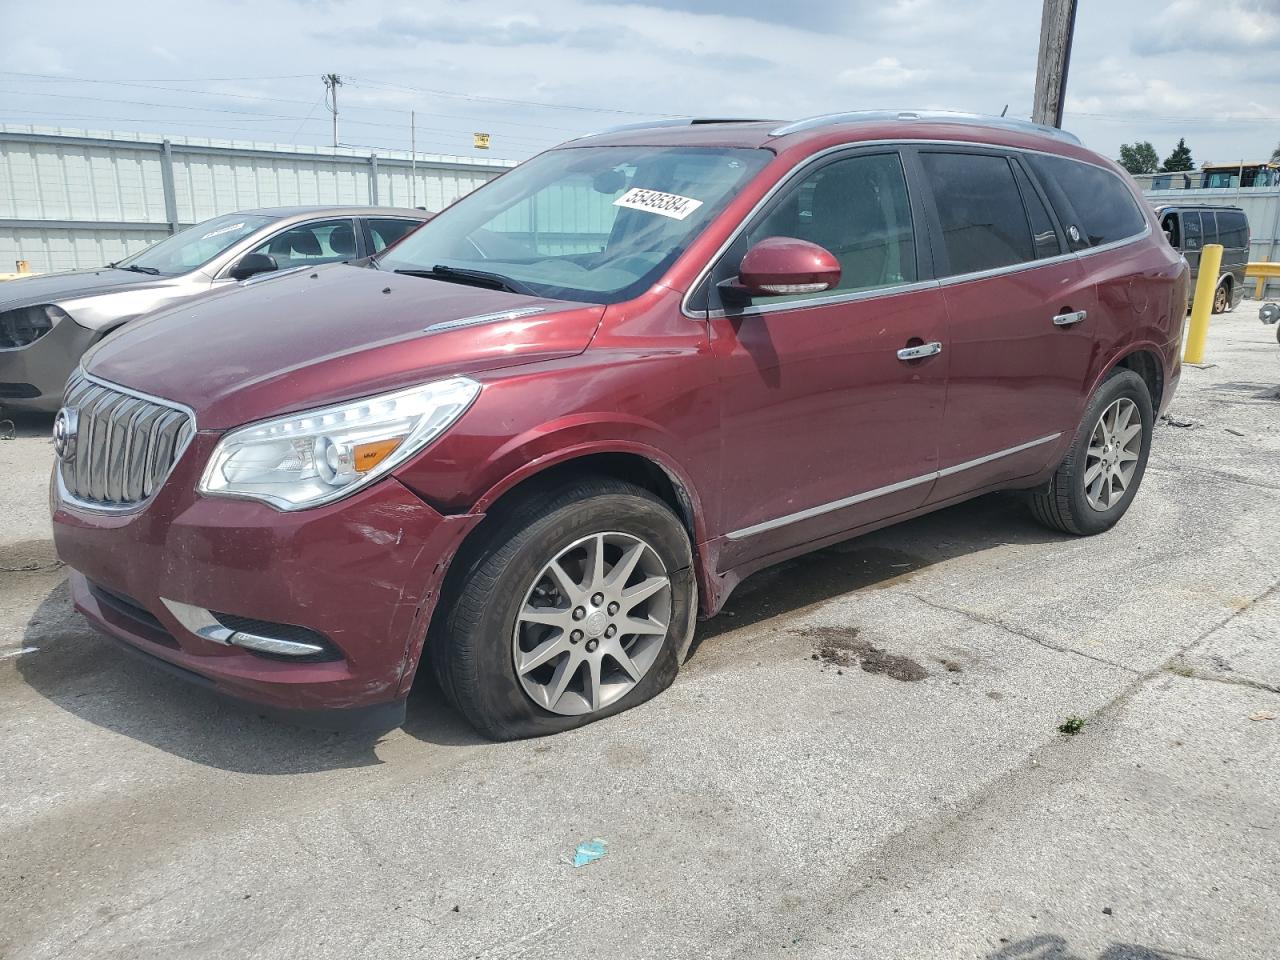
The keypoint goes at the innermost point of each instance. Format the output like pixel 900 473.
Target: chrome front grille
pixel 125 443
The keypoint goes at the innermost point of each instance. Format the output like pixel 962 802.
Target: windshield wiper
pixel 475 278
pixel 151 271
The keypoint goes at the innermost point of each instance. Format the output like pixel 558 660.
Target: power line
pixel 519 103
pixel 255 97
pixel 254 116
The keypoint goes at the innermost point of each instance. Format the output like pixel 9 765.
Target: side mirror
pixel 252 264
pixel 778 266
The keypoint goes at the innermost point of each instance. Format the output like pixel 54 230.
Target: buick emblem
pixel 65 426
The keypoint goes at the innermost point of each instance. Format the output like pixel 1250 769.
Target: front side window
pixel 307 244
pixel 858 210
pixel 984 225
pixel 592 224
pixel 195 246
pixel 1094 201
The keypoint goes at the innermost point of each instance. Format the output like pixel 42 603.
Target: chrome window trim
pixel 825 508
pixel 65 495
pixel 884 291
pixel 851 297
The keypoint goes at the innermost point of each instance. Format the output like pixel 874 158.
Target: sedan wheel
pixel 592 623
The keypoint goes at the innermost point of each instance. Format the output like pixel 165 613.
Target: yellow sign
pixel 480 141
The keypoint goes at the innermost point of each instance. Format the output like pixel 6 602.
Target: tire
pixel 475 644
pixel 1064 503
pixel 1221 298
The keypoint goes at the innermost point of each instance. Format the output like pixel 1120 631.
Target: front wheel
pixel 1099 477
pixel 576 606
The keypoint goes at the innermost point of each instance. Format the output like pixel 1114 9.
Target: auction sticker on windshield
pixel 652 201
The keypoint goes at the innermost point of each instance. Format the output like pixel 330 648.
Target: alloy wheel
pixel 1112 457
pixel 592 623
pixel 1220 300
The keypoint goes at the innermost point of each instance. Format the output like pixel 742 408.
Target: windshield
pixel 594 224
pixel 195 246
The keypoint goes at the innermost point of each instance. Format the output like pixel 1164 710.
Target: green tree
pixel 1180 160
pixel 1139 157
pixel 1275 155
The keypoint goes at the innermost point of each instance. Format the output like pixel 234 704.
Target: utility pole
pixel 1057 25
pixel 413 161
pixel 331 84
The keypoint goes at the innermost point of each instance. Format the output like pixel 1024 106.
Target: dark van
pixel 1190 226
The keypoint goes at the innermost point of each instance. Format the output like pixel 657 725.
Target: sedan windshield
pixel 195 246
pixel 593 224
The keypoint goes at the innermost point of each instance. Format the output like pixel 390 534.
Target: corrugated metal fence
pixel 81 199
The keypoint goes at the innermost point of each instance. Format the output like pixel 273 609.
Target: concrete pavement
pixel 906 794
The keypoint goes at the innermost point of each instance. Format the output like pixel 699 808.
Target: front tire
pixel 575 606
pixel 1100 475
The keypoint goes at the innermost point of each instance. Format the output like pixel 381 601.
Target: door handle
pixel 1068 319
pixel 920 352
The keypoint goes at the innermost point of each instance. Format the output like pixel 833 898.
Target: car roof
pixel 287 213
pixel 851 127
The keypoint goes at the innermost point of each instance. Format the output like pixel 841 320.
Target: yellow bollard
pixel 1202 305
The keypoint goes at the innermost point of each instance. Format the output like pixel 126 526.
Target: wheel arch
pixel 1144 360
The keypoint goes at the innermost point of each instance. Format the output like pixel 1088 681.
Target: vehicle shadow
pixel 876 561
pixel 1047 946
pixel 88 676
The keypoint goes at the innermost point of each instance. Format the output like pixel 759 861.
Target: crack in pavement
pixel 1009 628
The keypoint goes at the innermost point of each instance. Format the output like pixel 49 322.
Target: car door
pixel 823 427
pixel 1017 304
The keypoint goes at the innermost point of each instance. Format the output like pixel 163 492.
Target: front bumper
pixel 33 377
pixel 364 573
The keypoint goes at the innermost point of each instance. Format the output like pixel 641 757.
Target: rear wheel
pixel 1221 298
pixel 1100 475
pixel 576 606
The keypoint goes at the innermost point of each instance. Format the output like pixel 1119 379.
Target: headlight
pixel 26 325
pixel 316 457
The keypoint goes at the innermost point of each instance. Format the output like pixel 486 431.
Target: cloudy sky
pixel 533 74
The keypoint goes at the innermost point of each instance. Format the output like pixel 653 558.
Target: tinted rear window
pixel 984 225
pixel 1233 229
pixel 1093 200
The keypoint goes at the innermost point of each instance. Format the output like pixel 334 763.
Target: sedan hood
pixel 286 343
pixel 60 287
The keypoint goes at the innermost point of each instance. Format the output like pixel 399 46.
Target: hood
pixel 57 287
pixel 287 343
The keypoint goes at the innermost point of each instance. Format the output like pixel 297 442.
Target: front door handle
pixel 1068 319
pixel 920 352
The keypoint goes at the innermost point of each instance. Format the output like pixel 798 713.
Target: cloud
pixel 886 73
pixel 1227 25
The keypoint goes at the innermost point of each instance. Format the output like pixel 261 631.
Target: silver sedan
pixel 47 322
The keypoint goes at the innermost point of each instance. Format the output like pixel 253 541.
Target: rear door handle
pixel 920 352
pixel 1068 319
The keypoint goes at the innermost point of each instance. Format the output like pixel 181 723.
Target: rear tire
pixel 509 605
pixel 1100 475
pixel 1221 298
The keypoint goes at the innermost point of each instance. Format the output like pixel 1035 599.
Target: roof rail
pixel 936 116
pixel 676 122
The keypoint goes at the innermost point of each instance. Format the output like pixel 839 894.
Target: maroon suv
pixel 540 437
